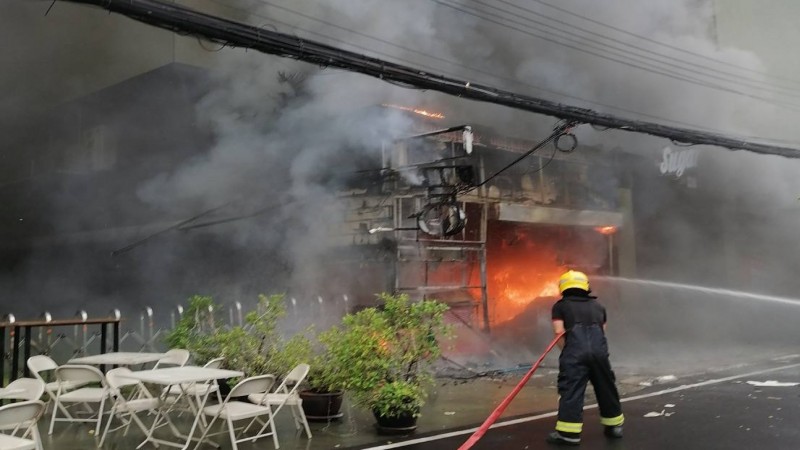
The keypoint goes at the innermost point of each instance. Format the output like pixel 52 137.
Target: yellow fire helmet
pixel 573 279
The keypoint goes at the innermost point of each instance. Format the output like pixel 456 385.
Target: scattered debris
pixel 669 405
pixel 772 383
pixel 659 414
pixel 449 413
pixel 657 380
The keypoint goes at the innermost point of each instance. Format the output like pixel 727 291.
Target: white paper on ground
pixel 772 383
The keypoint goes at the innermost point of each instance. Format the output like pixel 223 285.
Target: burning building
pixel 455 213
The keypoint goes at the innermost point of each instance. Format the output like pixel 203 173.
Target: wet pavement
pixel 712 410
pixel 720 413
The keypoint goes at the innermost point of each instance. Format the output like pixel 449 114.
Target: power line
pixel 559 130
pixel 649 54
pixel 619 59
pixel 215 29
pixel 440 59
pixel 664 44
pixel 427 55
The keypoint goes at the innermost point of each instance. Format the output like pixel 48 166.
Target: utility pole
pixel 223 31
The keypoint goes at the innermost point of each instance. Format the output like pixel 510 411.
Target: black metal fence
pixel 20 338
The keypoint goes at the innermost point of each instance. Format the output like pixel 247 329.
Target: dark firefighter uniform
pixel 584 358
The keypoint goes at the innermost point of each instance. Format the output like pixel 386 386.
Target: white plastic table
pixel 118 359
pixel 180 376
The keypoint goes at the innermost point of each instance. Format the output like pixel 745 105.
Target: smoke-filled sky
pixel 272 141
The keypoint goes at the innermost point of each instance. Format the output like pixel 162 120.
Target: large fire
pixel 520 270
pixel 524 263
pixel 421 112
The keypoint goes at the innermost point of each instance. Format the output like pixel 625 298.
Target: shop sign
pixel 676 162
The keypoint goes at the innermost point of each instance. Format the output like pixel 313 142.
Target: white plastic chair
pixel 198 390
pixel 287 395
pixel 174 357
pixel 20 421
pixel 234 411
pixel 125 409
pixel 193 392
pixel 29 389
pixel 40 364
pixel 83 375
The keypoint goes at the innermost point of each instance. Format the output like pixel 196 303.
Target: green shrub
pixel 383 355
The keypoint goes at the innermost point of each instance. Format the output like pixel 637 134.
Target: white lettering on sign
pixel 675 162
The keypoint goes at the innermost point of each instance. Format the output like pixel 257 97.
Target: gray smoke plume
pixel 271 141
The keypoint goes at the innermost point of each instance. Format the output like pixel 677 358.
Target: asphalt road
pixel 726 412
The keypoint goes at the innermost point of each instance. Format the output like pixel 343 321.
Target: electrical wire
pixel 560 129
pixel 581 47
pixel 216 29
pixel 547 163
pixel 50 7
pixel 665 45
pixel 659 57
pixel 454 63
pixel 211 50
pixel 436 58
pixel 176 226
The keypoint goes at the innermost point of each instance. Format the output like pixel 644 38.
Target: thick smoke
pixel 269 142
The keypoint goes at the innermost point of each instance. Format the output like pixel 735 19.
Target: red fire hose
pixel 506 401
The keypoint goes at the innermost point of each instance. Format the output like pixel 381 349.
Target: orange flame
pixel 421 112
pixel 521 269
pixel 523 264
pixel 606 230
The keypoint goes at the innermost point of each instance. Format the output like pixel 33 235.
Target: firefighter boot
pixel 562 438
pixel 613 432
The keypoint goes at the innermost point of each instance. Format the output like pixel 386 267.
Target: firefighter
pixel 584 358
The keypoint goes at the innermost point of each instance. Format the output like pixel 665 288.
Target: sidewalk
pixel 461 404
pixel 453 404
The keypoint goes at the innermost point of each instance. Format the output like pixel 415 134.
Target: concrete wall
pixel 75 50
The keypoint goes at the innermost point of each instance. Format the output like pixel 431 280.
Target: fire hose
pixel 506 401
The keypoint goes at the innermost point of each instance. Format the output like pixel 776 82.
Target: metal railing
pixel 74 337
pixel 20 337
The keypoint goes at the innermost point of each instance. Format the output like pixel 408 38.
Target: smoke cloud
pixel 267 145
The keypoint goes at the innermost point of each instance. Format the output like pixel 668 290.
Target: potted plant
pixel 322 400
pixel 383 357
pixel 396 406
